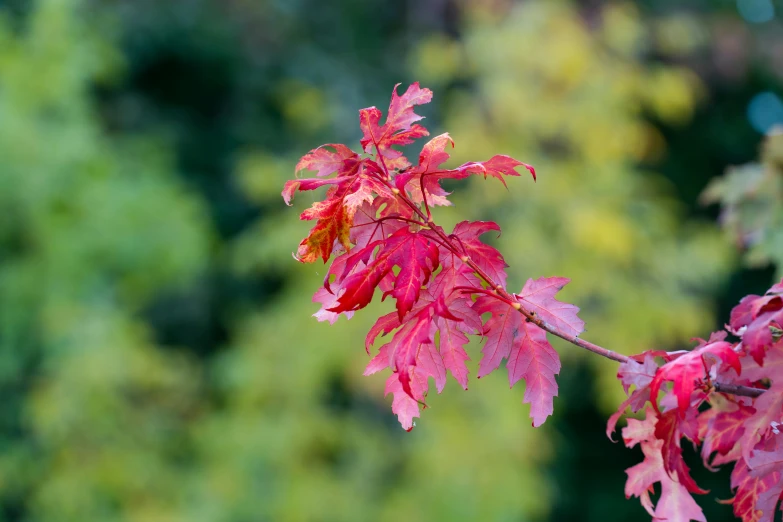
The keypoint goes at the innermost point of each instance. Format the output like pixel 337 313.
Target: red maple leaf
pixel 690 368
pixel 325 162
pixel 355 183
pixel 675 502
pixel 769 409
pixel 769 459
pixel 756 497
pixel 669 430
pixel 759 321
pixel 530 356
pixel 539 297
pixel 398 129
pixel 485 256
pixel 721 427
pixel 414 253
pixel 426 177
pixel 411 353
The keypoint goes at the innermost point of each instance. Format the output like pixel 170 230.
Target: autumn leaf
pixel 691 367
pixel 398 129
pixel 539 297
pixel 530 356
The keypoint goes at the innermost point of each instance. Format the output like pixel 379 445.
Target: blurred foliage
pixel 751 198
pixel 157 358
pixel 92 409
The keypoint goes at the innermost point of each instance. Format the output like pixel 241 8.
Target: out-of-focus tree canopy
pixel 158 361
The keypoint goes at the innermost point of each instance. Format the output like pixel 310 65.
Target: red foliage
pixel 376 216
pixel 724 396
pixel 735 429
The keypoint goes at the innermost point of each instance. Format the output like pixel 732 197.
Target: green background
pixel 158 358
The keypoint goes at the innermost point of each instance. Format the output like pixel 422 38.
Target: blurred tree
pixel 93 227
pixel 751 198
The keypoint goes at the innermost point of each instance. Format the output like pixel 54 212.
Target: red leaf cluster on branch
pixel 736 429
pixel 377 220
pixel 376 225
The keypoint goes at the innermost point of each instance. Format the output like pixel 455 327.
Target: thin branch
pixel 386 218
pixel 734 389
pixel 424 197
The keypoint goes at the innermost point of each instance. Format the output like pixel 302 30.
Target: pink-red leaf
pixel 530 356
pixel 689 369
pixel 325 162
pixel 485 256
pixel 539 297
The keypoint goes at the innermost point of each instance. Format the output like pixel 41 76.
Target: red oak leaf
pixel 530 356
pixel 539 297
pixel 398 129
pixel 690 368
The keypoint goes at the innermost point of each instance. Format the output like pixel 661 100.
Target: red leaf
pixel 763 463
pixel 769 407
pixel 529 354
pixel 409 350
pixel 333 225
pixel 533 359
pixel 434 154
pixel 325 162
pixel 452 350
pixel 756 318
pixel 398 129
pixel 668 430
pixel 721 427
pixel 755 497
pixel 690 368
pixel 539 297
pixel 633 373
pixel 353 186
pixel 485 256
pixel 405 407
pixel 497 167
pixel 499 332
pixel 413 252
pixel 675 503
